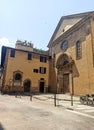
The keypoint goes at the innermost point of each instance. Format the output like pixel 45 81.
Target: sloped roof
pixel 65 23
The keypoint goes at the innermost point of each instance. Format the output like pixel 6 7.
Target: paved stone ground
pixel 63 101
pixel 40 114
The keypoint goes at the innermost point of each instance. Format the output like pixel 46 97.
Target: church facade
pixel 72 50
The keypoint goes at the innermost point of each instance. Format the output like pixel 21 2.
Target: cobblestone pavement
pixel 40 114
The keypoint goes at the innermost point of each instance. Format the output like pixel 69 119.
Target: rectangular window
pixel 43 59
pixel 29 56
pixel 42 70
pixel 12 53
pixel 35 70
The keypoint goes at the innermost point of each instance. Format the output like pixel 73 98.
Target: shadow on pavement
pixel 1 127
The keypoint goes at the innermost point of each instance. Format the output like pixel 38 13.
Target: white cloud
pixel 5 42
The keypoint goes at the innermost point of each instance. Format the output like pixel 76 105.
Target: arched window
pixel 78 50
pixel 18 76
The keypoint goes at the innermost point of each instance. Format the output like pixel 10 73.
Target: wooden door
pixel 41 87
pixel 66 83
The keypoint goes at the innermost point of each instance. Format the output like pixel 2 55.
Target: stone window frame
pixel 78 50
pixel 18 82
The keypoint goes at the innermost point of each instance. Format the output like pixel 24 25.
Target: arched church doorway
pixel 27 84
pixel 64 67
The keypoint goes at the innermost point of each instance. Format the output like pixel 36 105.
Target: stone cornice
pixel 71 30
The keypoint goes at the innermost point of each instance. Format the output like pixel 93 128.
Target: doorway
pixel 66 83
pixel 27 85
pixel 41 88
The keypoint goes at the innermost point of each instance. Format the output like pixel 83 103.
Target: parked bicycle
pixel 87 99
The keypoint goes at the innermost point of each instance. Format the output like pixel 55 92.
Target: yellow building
pixel 72 50
pixel 24 69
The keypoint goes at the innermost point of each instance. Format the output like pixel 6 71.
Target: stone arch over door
pixel 64 68
pixel 27 85
pixel 63 60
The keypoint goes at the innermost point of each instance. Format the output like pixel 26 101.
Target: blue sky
pixel 35 20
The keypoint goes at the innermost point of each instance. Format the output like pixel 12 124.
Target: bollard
pixel 55 100
pixel 31 97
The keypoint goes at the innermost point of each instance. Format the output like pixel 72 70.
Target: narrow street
pixel 23 114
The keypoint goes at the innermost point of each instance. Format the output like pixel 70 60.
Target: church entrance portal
pixel 64 69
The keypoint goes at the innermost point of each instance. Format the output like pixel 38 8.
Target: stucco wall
pixel 21 63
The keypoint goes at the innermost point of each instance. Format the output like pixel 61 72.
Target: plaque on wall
pixel 17 83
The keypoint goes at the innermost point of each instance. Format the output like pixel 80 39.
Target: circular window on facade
pixel 64 45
